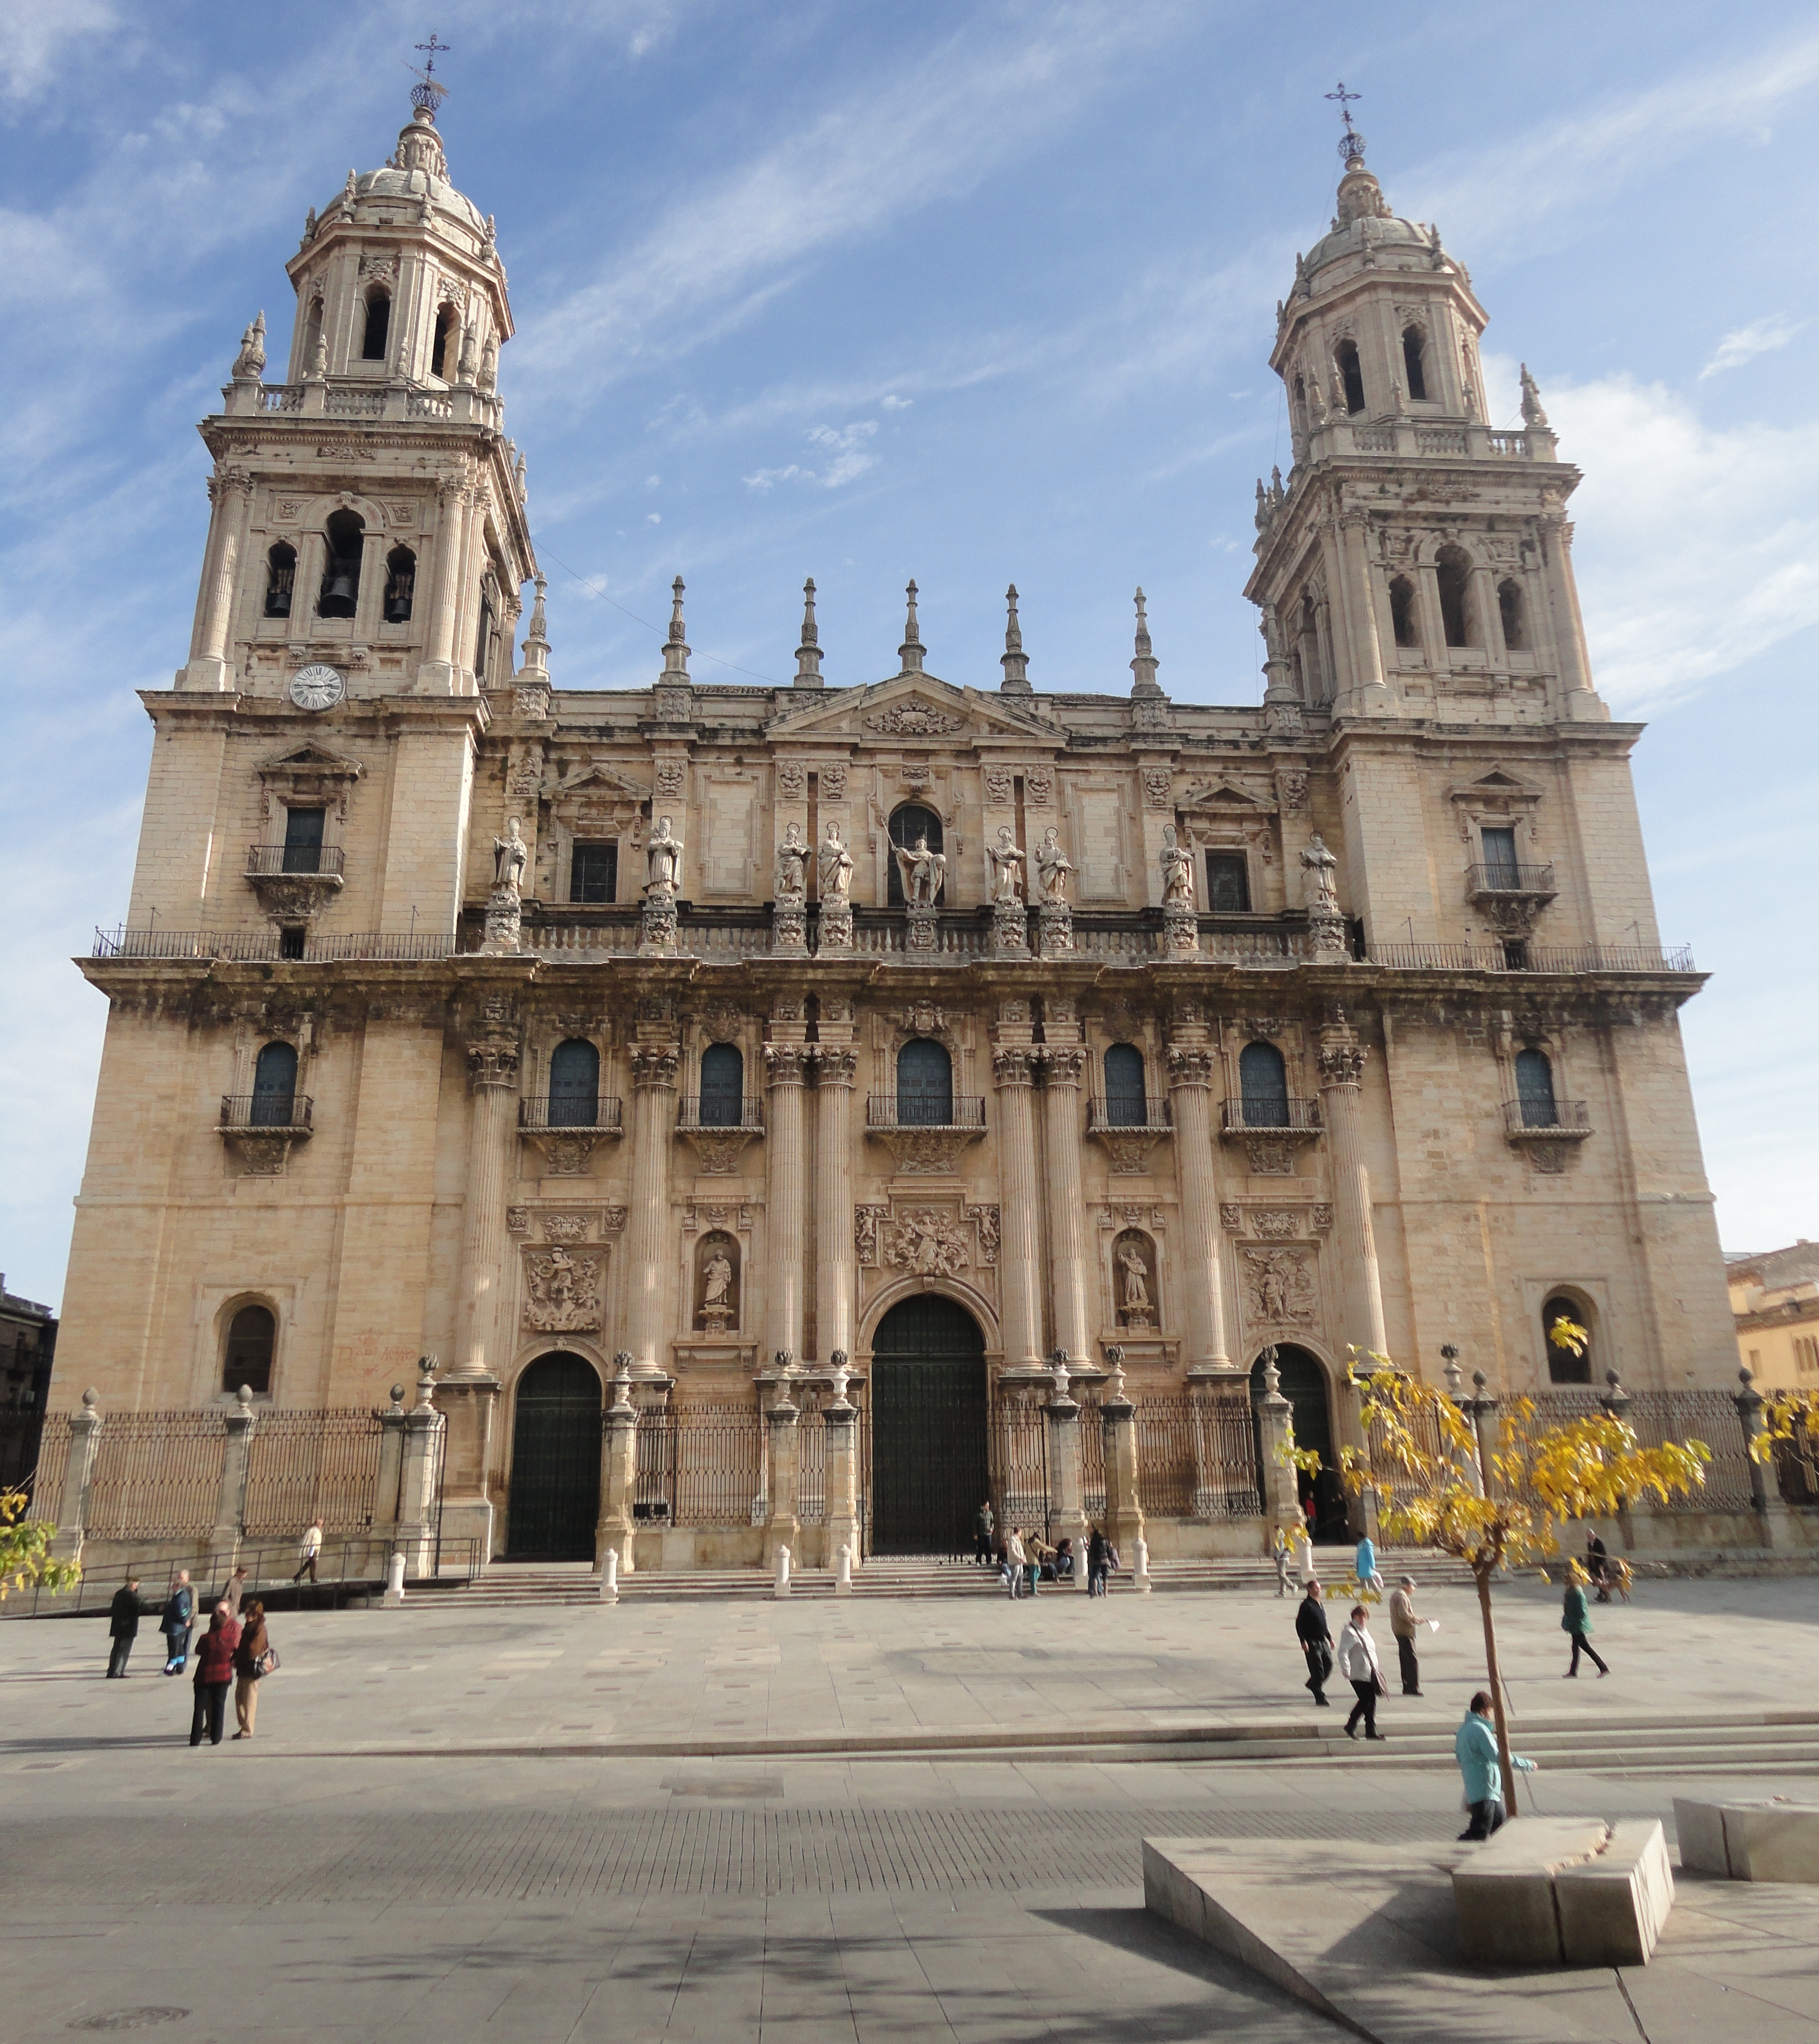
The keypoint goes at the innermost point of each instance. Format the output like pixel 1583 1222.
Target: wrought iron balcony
pixel 1567 1120
pixel 1532 958
pixel 263 947
pixel 1531 883
pixel 280 1112
pixel 890 1111
pixel 1129 1117
pixel 585 1114
pixel 725 1114
pixel 315 862
pixel 1271 1117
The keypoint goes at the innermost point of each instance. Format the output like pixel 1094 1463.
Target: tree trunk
pixel 1482 1575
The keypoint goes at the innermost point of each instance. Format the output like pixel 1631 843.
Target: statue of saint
pixel 663 857
pixel 792 856
pixel 510 855
pixel 921 871
pixel 1054 864
pixel 1136 1279
pixel 1177 871
pixel 837 867
pixel 1320 865
pixel 718 1275
pixel 1006 866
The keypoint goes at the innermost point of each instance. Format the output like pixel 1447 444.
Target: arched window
pixel 275 1086
pixel 1513 609
pixel 1453 572
pixel 1301 402
pixel 400 585
pixel 1535 1090
pixel 1126 1104
pixel 1414 348
pixel 1263 1081
pixel 722 1086
pixel 1402 612
pixel 483 635
pixel 1563 1366
pixel 911 821
pixel 246 1358
pixel 1345 354
pixel 574 1085
pixel 280 578
pixel 345 534
pixel 444 349
pixel 312 336
pixel 925 1084
pixel 379 326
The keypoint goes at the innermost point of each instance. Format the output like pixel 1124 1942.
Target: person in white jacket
pixel 1016 1561
pixel 1359 1666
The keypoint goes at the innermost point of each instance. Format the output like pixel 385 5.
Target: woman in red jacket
pixel 214 1675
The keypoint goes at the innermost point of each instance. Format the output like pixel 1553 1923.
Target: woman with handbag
pixel 254 1657
pixel 214 1675
pixel 1359 1665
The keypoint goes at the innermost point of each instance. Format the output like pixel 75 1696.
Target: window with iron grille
pixel 594 873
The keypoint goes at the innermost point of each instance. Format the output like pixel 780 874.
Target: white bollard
pixel 609 1577
pixel 394 1578
pixel 843 1573
pixel 783 1583
pixel 1140 1581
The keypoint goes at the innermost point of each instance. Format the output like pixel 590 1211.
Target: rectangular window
pixel 290 940
pixel 594 874
pixel 1227 883
pixel 303 840
pixel 1500 857
pixel 1806 1355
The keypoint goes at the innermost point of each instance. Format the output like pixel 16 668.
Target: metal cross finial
pixel 428 89
pixel 1352 143
pixel 432 49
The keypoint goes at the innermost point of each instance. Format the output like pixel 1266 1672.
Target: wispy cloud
pixel 847 454
pixel 35 40
pixel 1743 343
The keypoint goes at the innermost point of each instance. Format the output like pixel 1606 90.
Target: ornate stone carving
pixel 568 1154
pixel 1341 1064
pixel 1270 1156
pixel 1158 788
pixel 921 871
pixel 833 781
pixel 837 1067
pixel 613 1220
pixel 985 1227
pixel 1189 1065
pixel 866 1222
pixel 1128 1150
pixel 914 718
pixel 927 1240
pixel 517 1220
pixel 653 1064
pixel 722 1021
pixel 783 1063
pixel 523 778
pixel 563 1289
pixel 1038 787
pixel 1291 788
pixel 925 1152
pixel 1064 1063
pixel 717 1151
pixel 916 778
pixel 1010 1065
pixel 1279 1289
pixel 999 787
pixel 567 1228
pixel 1276 1223
pixel 792 780
pixel 293 897
pixel 493 1062
pixel 672 778
pixel 1231 1217
pixel 922 937
pixel 1134 1279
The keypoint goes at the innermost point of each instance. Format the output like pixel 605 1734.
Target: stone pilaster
pixel 1019 1265
pixel 618 1472
pixel 1341 1070
pixel 1066 1512
pixel 79 1473
pixel 417 1515
pixel 840 1419
pixel 493 1077
pixel 1070 1287
pixel 647 1228
pixel 1202 1281
pixel 230 1500
pixel 1280 1492
pixel 835 1258
pixel 209 667
pixel 1124 1510
pixel 784 1194
pixel 780 1526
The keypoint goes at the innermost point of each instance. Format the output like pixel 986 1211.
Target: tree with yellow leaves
pixel 25 1551
pixel 1496 1490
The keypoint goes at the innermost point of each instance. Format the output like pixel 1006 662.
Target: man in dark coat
pixel 123 1624
pixel 983 1523
pixel 1316 1637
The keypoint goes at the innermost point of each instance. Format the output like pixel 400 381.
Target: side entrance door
pixel 554 1502
pixel 928 1462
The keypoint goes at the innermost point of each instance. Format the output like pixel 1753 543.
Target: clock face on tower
pixel 317 688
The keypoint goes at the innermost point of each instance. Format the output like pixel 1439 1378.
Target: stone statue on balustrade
pixel 504 909
pixel 663 859
pixel 510 855
pixel 921 871
pixel 836 867
pixel 1053 865
pixel 1320 865
pixel 792 857
pixel 1177 871
pixel 1006 860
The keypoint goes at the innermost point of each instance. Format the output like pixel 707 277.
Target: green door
pixel 929 1471
pixel 554 1500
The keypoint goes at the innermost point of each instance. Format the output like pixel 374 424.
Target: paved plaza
pixel 631 1860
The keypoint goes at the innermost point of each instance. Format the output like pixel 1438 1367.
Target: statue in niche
pixel 921 871
pixel 663 859
pixel 792 856
pixel 1320 865
pixel 837 867
pixel 1136 1306
pixel 1007 868
pixel 1053 865
pixel 510 855
pixel 1177 871
pixel 719 1309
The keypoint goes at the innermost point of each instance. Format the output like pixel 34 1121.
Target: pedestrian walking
pixel 1403 1625
pixel 1474 1748
pixel 1359 1665
pixel 984 1525
pixel 1368 1579
pixel 1096 1561
pixel 214 1675
pixel 1598 1564
pixel 235 1588
pixel 309 1549
pixel 123 1626
pixel 1575 1619
pixel 176 1621
pixel 1315 1634
pixel 1016 1561
pixel 253 1659
pixel 1284 1558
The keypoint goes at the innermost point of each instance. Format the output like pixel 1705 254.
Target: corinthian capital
pixel 1010 1067
pixel 1063 1066
pixel 1189 1066
pixel 492 1063
pixel 784 1062
pixel 653 1065
pixel 1341 1065
pixel 837 1067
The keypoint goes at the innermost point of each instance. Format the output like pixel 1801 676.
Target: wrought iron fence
pixel 1197 1457
pixel 1019 1465
pixel 302 1466
pixel 1092 1432
pixel 1658 1417
pixel 1424 1424
pixel 44 1485
pixel 1796 1470
pixel 157 1476
pixel 711 1463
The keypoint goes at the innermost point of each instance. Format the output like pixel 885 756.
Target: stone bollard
pixel 1140 1579
pixel 843 1573
pixel 783 1583
pixel 394 1578
pixel 609 1577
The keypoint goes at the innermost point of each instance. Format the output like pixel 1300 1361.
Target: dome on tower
pixel 1365 222
pixel 417 172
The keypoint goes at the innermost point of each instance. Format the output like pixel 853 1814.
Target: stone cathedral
pixel 883 1038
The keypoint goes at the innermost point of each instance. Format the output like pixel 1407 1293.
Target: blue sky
pixel 975 292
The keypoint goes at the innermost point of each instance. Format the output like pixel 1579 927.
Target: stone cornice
pixel 279 720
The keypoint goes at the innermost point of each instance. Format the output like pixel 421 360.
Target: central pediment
pixel 912 707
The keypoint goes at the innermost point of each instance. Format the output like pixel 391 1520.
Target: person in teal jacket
pixel 1474 1748
pixel 1368 1579
pixel 1576 1620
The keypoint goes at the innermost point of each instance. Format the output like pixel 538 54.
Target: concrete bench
pixel 1564 1891
pixel 1771 1839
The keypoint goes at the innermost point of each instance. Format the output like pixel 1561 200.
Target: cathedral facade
pixel 886 1037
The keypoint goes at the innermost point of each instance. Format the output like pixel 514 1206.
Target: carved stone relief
pixel 563 1290
pixel 833 783
pixel 1279 1289
pixel 925 1239
pixel 914 718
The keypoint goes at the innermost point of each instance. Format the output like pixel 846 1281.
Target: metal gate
pixel 929 1469
pixel 554 1499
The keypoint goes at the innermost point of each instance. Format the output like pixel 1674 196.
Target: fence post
pixel 390 1479
pixel 230 1503
pixel 1281 1494
pixel 79 1472
pixel 423 1425
pixel 618 1471
pixel 1771 1512
pixel 1066 1516
pixel 1366 1498
pixel 1124 1514
pixel 840 1419
pixel 780 1527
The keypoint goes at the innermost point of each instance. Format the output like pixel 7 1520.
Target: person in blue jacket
pixel 1474 1748
pixel 1368 1579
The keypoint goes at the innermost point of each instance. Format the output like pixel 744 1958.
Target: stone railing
pixel 280 397
pixel 1513 446
pixel 354 404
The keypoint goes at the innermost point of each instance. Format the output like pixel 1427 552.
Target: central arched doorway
pixel 1303 1382
pixel 554 1504
pixel 929 1470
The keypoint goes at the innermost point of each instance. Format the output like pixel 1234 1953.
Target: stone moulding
pixel 717 1150
pixel 926 1152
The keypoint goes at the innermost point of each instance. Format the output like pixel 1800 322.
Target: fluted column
pixel 783 1214
pixel 1019 1266
pixel 493 1073
pixel 1341 1067
pixel 835 1259
pixel 653 1101
pixel 1068 1280
pixel 453 512
pixel 1203 1316
pixel 232 490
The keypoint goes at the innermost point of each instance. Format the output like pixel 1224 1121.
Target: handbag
pixel 268 1664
